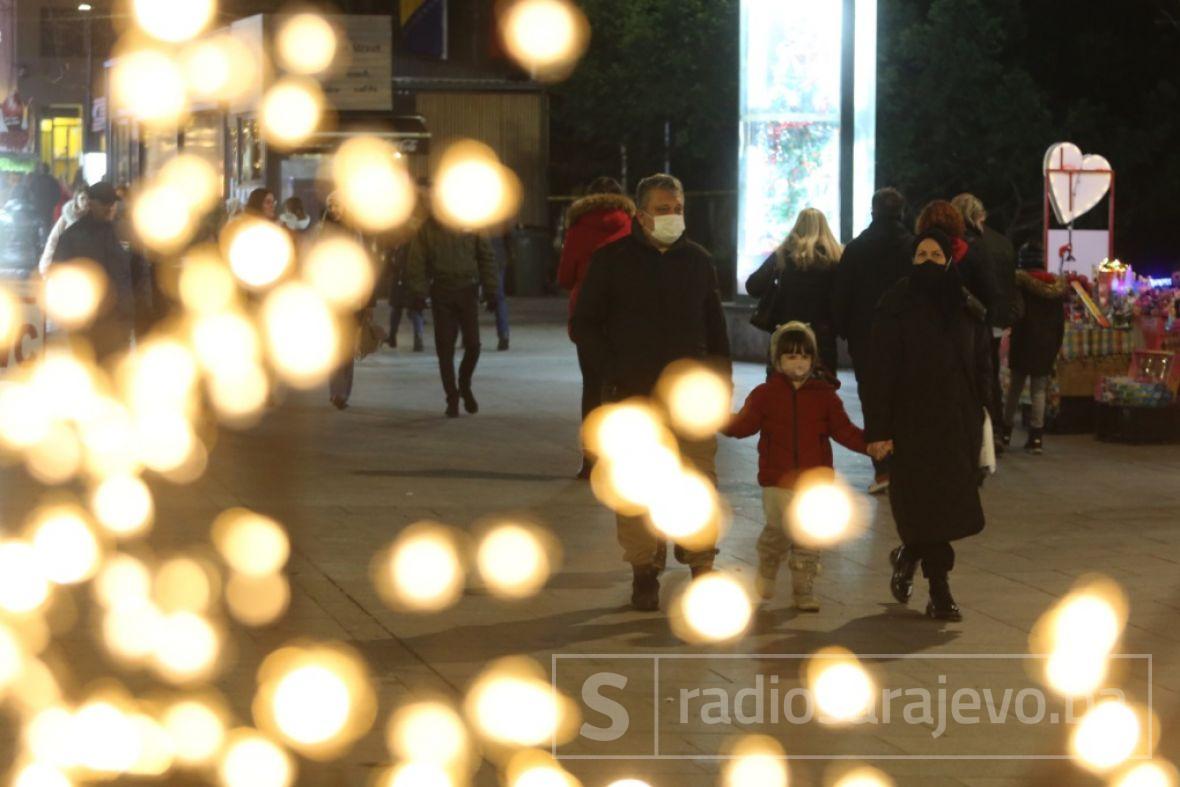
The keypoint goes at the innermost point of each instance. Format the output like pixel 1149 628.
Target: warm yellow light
pixel 756 760
pixel 163 216
pixel 422 570
pixel 123 505
pixel 48 737
pixel 302 336
pixel 714 608
pixel 220 68
pixel 511 702
pixel 12 657
pixel 250 543
pixel 306 44
pixel 64 544
pixel 317 699
pixel 197 178
pixel 24 416
pixel 417 774
pixel 547 37
pixel 184 584
pixel 57 458
pixel 66 385
pixel 698 399
pixel 844 691
pixel 197 730
pixel 822 512
pixel 543 774
pixel 631 482
pixel 206 284
pixel 1107 735
pixel 171 21
pixel 1076 673
pixel 253 760
pixel 73 293
pixel 629 783
pixel 129 629
pixel 1079 633
pixel 161 375
pixel 150 85
pixel 514 560
pixel 472 189
pixel 616 430
pixel 686 509
pixel 104 737
pixel 259 252
pixel 373 184
pixel 1157 773
pixel 225 342
pixel 11 317
pixel 291 110
pixel 185 647
pixel 39 774
pixel 164 440
pixel 108 439
pixel 257 601
pixel 427 732
pixel 123 579
pixel 864 776
pixel 239 393
pixel 341 271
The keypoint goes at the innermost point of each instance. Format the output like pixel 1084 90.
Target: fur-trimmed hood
pixel 782 330
pixel 1042 285
pixel 596 202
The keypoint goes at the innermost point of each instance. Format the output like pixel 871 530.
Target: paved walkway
pixel 346 482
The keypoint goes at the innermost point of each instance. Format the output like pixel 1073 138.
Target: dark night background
pixel 970 94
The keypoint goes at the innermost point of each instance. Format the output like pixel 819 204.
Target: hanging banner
pixel 424 27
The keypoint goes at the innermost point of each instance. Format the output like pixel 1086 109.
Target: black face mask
pixel 940 284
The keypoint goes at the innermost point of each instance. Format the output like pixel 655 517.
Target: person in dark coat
pixel 928 383
pixel 601 217
pixel 801 273
pixel 45 192
pixel 1001 263
pixel 335 223
pixel 129 296
pixel 1035 342
pixel 872 262
pixel 974 268
pixel 649 299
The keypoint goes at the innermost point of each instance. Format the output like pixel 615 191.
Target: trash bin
pixel 532 260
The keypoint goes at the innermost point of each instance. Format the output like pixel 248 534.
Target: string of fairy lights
pixel 253 316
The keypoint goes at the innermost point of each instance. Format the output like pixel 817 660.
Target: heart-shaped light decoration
pixel 1081 187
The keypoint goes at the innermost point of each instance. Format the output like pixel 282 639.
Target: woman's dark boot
pixel 901 584
pixel 453 406
pixel 942 605
pixel 469 402
pixel 645 589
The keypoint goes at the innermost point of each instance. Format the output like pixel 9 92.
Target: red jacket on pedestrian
pixel 796 426
pixel 593 221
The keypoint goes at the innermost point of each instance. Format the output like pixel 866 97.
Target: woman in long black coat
pixel 801 273
pixel 927 389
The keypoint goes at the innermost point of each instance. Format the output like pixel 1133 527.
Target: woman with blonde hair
pixel 795 282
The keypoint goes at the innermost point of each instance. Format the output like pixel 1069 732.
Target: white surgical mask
pixel 667 229
pixel 796 370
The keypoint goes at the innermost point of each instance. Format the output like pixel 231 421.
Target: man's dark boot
pixel 901 584
pixel 469 403
pixel 942 605
pixel 453 406
pixel 645 589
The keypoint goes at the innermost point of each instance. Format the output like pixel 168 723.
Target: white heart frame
pixel 1076 181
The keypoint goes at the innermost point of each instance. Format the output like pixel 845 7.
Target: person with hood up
pixel 73 210
pixel 797 413
pixel 601 217
pixel 1036 339
pixel 925 403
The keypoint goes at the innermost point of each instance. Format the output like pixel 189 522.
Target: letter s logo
pixel 592 696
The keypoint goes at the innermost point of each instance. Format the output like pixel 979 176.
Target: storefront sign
pixel 366 82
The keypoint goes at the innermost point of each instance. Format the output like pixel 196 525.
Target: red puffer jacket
pixel 795 426
pixel 593 222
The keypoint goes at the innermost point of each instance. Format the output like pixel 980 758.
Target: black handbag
pixel 763 316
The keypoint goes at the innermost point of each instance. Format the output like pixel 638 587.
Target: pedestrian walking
pixel 73 210
pixel 601 217
pixel 1035 342
pixel 649 299
pixel 1000 256
pixel 261 204
pixel 402 302
pixel 335 222
pixel 795 283
pixel 502 253
pixel 129 301
pixel 872 263
pixel 797 413
pixel 45 192
pixel 450 267
pixel 927 391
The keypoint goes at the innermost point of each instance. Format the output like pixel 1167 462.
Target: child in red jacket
pixel 797 414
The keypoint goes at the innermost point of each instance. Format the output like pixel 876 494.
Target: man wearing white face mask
pixel 650 299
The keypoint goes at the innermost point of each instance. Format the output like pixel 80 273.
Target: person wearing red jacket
pixel 797 415
pixel 601 217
